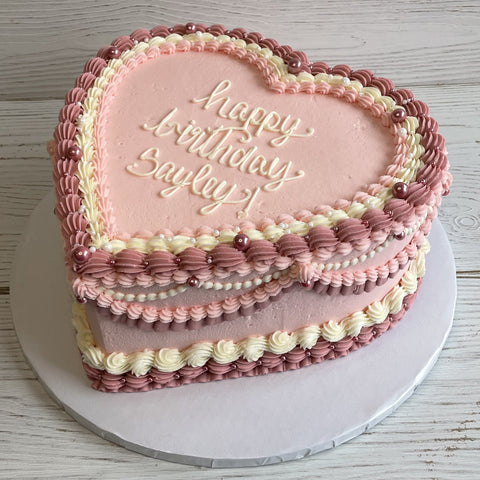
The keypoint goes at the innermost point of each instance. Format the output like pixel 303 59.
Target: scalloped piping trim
pixel 207 285
pixel 252 348
pixel 181 276
pixel 179 316
pixel 87 173
pixel 292 272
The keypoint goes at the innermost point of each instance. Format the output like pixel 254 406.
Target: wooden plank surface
pixel 432 47
pixel 418 41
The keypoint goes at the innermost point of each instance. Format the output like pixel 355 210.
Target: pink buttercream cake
pixel 229 208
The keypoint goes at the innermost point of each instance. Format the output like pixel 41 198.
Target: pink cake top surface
pixel 197 147
pixel 198 138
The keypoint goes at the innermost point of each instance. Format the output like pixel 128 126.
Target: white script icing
pixel 213 145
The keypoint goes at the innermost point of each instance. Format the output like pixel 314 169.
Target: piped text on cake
pixel 214 144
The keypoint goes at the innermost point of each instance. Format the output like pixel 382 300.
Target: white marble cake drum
pixel 231 423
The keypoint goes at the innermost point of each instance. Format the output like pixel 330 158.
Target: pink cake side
pixel 196 308
pixel 268 363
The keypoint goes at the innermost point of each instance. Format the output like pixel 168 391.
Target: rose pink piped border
pixel 147 316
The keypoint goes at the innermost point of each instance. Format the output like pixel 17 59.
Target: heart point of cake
pixel 229 208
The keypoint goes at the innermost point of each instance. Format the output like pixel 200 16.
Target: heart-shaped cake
pixel 229 208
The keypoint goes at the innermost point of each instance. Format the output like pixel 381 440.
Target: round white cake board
pixel 231 423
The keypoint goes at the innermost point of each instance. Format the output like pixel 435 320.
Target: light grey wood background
pixel 431 47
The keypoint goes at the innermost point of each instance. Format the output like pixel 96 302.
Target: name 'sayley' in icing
pixel 213 144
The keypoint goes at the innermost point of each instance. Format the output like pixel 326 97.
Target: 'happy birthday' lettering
pixel 215 145
pixel 256 117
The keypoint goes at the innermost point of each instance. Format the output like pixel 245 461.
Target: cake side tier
pixel 196 303
pixel 130 269
pixel 121 333
pixel 252 344
pixel 268 363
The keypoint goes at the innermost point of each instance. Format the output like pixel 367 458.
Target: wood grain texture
pixel 431 47
pixel 424 37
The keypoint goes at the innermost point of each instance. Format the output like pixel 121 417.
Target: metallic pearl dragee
pixel 294 65
pixel 399 115
pixel 295 62
pixel 113 52
pixel 81 255
pixel 400 190
pixel 241 242
pixel 74 153
pixel 193 281
pixel 306 284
